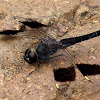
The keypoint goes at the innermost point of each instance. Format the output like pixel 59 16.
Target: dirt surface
pixel 60 19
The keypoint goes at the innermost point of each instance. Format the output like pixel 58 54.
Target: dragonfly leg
pixel 57 56
pixel 34 70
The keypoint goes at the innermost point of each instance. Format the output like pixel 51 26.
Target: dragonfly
pixel 49 46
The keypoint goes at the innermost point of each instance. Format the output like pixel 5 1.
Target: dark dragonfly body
pixel 44 50
pixel 48 47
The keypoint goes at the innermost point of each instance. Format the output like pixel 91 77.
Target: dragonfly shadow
pixel 33 24
pixel 88 69
pixel 64 74
pixel 68 74
pixel 10 32
pixel 29 22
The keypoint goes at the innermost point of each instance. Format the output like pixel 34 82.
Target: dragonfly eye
pixel 30 56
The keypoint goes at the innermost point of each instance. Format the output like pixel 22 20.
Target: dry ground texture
pixel 59 19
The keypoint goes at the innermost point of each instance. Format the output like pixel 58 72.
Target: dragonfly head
pixel 30 56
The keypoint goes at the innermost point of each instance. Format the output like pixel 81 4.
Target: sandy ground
pixel 60 19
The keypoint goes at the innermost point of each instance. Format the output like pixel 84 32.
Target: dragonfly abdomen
pixel 71 41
